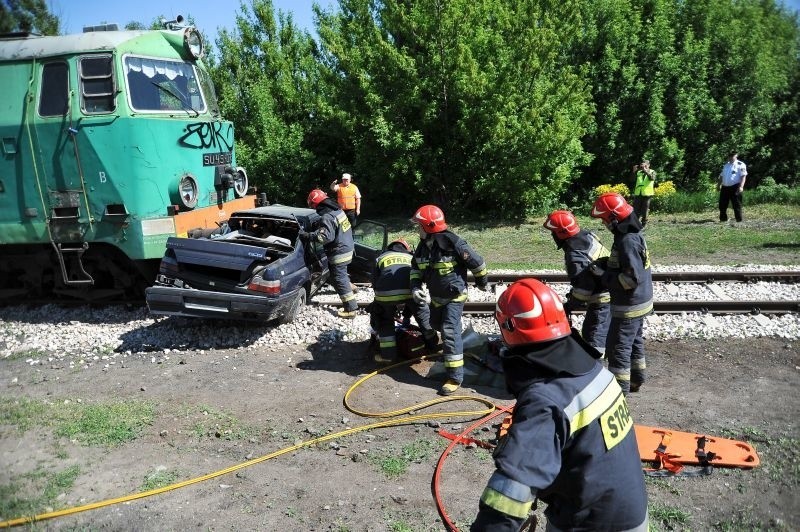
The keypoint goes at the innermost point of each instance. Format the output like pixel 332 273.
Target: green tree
pixel 28 16
pixel 684 82
pixel 266 76
pixel 467 103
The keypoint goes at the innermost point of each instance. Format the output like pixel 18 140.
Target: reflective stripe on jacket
pixel 443 266
pixel 571 443
pixel 334 233
pixel 629 277
pixel 580 251
pixel 390 279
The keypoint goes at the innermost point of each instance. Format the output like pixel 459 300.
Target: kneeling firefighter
pixel 392 286
pixel 571 441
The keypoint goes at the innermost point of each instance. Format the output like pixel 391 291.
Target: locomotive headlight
pixel 240 182
pixel 193 42
pixel 186 193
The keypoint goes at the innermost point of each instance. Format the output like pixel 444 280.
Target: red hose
pixel 451 527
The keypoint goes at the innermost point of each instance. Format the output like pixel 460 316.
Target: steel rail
pixel 669 277
pixel 679 307
pixel 784 276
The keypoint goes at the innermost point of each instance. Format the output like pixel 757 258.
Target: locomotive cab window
pixel 97 84
pixel 54 98
pixel 160 85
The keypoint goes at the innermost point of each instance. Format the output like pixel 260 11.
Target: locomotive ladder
pixel 75 250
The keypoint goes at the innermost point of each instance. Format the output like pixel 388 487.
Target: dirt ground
pixel 264 402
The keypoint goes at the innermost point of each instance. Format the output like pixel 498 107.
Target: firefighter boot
pixel 432 341
pixel 382 359
pixel 449 387
pixel 349 311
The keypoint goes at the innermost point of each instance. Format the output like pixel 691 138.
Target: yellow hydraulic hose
pixel 490 407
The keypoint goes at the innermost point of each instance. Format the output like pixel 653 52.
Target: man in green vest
pixel 643 189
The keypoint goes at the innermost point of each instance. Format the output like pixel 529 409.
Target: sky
pixel 208 16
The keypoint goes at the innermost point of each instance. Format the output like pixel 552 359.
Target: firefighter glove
pixel 482 283
pixel 596 270
pixel 304 235
pixel 420 296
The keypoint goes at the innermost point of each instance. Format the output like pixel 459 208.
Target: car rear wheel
pixel 295 308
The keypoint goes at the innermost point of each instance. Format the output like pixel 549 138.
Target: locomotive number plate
pixel 216 159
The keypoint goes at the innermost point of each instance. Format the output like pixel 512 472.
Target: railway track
pixel 719 306
pixel 723 305
pixel 679 307
pixel 788 276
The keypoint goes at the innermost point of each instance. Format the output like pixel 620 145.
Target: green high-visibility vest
pixel 644 185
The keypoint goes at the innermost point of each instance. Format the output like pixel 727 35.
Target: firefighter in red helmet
pixel 336 236
pixel 440 263
pixel 630 283
pixel 571 441
pixel 582 249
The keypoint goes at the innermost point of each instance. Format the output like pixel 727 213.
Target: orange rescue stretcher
pixel 670 450
pixel 666 451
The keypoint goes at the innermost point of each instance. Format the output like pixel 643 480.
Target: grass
pixel 770 232
pixel 780 454
pixel 394 464
pixel 662 484
pixel 400 526
pixel 109 424
pixel 220 424
pixel 26 354
pixel 159 478
pixel 411 521
pixel 32 493
pixel 743 520
pixel 669 516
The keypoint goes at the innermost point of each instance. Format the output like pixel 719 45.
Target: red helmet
pixel 315 197
pixel 530 312
pixel 400 245
pixel 563 224
pixel 430 218
pixel 611 206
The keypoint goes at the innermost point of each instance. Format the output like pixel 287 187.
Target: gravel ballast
pixel 84 336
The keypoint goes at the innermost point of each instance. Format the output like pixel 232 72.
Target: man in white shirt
pixel 730 186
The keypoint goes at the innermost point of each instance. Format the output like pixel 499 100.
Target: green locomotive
pixel 112 141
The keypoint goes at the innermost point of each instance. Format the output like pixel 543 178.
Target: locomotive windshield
pixel 160 85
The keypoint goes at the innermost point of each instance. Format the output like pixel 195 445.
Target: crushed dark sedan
pixel 254 267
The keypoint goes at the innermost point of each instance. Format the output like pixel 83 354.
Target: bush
pixel 664 195
pixel 620 188
pixel 665 189
pixel 684 202
pixel 770 192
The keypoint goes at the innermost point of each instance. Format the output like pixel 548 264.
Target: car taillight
pixel 259 284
